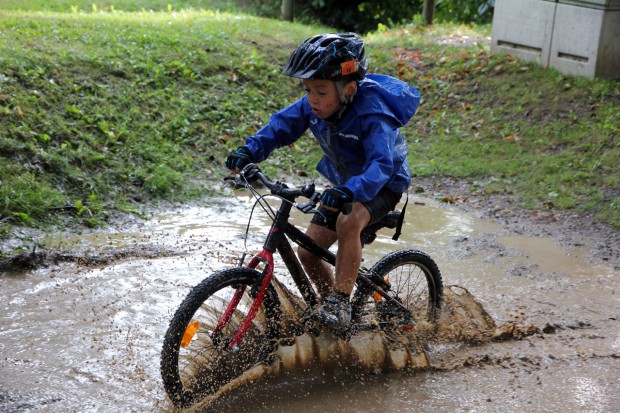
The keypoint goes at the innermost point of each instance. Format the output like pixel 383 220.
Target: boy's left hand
pixel 334 198
pixel 238 159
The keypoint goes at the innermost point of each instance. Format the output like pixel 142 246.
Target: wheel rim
pixel 207 361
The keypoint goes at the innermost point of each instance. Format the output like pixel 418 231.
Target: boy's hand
pixel 335 198
pixel 238 159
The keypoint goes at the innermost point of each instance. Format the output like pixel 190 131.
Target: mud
pixel 85 334
pixel 45 258
pixel 568 229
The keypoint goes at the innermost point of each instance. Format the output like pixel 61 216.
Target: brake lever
pixel 317 212
pixel 309 207
pixel 237 183
pixel 250 172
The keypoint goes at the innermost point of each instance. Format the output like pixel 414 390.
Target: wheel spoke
pixel 206 363
pixel 414 280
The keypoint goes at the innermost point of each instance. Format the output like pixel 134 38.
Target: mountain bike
pixel 233 319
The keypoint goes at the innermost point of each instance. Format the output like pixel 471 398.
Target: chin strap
pixel 344 102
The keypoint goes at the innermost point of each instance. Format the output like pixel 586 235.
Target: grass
pixel 128 107
pixel 510 126
pixel 103 108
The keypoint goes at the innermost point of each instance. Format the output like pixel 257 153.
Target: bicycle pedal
pixel 312 327
pixel 343 335
pixel 314 331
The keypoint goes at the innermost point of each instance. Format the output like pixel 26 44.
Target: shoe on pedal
pixel 336 312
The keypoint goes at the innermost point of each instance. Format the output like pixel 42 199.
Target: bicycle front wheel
pixel 415 281
pixel 197 356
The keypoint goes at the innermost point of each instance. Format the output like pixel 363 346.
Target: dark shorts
pixel 385 201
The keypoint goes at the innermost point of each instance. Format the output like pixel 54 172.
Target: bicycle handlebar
pixel 251 173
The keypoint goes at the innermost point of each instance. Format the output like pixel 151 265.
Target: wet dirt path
pixel 80 338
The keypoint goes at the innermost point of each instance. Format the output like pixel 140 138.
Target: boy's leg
pixel 336 309
pixel 349 255
pixel 319 271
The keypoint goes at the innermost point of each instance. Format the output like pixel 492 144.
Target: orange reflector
pixel 407 327
pixel 190 331
pixel 378 296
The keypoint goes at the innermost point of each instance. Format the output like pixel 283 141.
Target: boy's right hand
pixel 238 159
pixel 335 198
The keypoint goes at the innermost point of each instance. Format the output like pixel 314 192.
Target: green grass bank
pixel 105 108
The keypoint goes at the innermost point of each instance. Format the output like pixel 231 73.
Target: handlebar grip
pixel 347 208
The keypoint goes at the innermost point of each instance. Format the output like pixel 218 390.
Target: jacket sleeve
pixel 284 128
pixel 382 159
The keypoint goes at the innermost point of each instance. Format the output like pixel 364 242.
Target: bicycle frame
pixel 277 241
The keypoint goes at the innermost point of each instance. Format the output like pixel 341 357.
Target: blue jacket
pixel 364 151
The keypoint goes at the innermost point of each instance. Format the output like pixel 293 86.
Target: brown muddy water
pixel 75 338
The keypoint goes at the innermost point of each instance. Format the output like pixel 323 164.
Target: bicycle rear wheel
pixel 195 360
pixel 415 281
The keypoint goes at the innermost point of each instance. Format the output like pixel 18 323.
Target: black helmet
pixel 329 56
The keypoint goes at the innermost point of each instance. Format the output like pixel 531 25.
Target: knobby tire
pixel 200 369
pixel 415 281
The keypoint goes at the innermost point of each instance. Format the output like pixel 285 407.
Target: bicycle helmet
pixel 331 56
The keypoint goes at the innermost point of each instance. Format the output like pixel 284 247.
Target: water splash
pixel 463 319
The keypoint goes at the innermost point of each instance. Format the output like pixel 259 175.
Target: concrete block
pixel 594 4
pixel 523 28
pixel 586 41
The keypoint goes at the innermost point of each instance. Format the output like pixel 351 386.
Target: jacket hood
pixel 386 95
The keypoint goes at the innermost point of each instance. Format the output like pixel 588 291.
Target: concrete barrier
pixel 577 37
pixel 524 29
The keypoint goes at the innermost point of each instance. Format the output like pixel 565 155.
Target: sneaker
pixel 335 312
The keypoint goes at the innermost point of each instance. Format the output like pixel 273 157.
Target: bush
pixel 464 11
pixel 364 16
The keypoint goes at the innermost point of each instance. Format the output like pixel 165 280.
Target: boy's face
pixel 322 96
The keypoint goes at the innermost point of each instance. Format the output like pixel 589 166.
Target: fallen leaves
pixel 513 332
pixel 543 214
pixel 452 199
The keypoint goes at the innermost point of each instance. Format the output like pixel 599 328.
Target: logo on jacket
pixel 350 136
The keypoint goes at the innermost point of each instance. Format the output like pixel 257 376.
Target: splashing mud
pixel 530 325
pixel 463 319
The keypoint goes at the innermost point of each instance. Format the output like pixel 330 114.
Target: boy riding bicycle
pixel 356 119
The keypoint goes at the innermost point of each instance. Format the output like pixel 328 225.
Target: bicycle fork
pixel 265 257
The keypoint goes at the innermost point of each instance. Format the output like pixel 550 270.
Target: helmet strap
pixel 340 84
pixel 344 102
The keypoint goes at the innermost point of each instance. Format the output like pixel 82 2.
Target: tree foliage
pixel 464 11
pixel 363 16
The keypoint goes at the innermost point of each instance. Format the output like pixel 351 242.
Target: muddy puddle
pixel 76 337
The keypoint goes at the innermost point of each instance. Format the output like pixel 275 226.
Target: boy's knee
pixel 344 224
pixel 351 224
